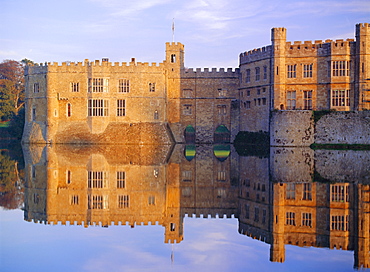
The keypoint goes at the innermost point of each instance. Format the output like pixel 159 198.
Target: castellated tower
pixel 277 249
pixel 362 85
pixel 278 40
pixel 174 64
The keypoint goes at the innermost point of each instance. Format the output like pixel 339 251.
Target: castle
pixel 142 103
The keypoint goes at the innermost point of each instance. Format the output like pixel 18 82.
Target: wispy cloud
pixel 129 8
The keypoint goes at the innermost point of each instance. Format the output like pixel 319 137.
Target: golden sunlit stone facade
pixel 130 103
pixel 131 185
pixel 319 75
pixel 142 103
pixel 295 196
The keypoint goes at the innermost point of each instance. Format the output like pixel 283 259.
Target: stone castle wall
pixel 297 128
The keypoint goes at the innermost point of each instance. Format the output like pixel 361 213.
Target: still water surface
pixel 199 208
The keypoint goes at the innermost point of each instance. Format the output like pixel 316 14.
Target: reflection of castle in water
pixel 296 196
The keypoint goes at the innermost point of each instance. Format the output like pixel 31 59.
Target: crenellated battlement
pixel 102 63
pixel 213 214
pixel 256 54
pixel 36 69
pixel 213 72
pixel 93 223
pixel 312 46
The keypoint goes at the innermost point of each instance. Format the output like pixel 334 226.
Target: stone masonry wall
pixel 297 128
pixel 343 128
pixel 291 128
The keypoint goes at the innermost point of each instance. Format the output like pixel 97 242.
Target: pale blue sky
pixel 214 32
pixel 208 245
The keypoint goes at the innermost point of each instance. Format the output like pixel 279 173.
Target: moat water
pixel 181 208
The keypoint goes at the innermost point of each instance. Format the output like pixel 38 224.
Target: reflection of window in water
pixel 97 179
pixel 98 202
pixel 307 191
pixel 74 199
pixel 290 218
pixel 172 227
pixel 151 200
pixel 121 179
pixel 186 191
pixel 290 191
pixel 221 193
pixel 123 201
pixel 68 177
pixel 221 176
pixel 339 222
pixel 339 193
pixel 256 214
pixel 307 219
pixel 246 211
pixel 187 176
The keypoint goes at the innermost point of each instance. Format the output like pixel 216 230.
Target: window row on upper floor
pixel 334 69
pixel 258 75
pixel 337 68
pixel 100 85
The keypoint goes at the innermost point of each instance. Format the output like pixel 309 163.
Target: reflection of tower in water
pixel 128 185
pixel 308 199
pixel 293 196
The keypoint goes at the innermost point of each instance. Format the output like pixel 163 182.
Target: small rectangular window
pixel 290 218
pixel 152 87
pixel 291 71
pixel 74 200
pixel 290 191
pixel 124 86
pixel 248 75
pixel 221 176
pixel 307 191
pixel 98 85
pixel 121 107
pixel 222 109
pixel 340 98
pixel 187 176
pixel 307 219
pixel 187 109
pixel 75 87
pixel 121 180
pixel 151 200
pixel 307 70
pixel 187 93
pixel 257 69
pixel 123 201
pixel 97 107
pixel 97 179
pixel 340 68
pixel 36 87
pixel 291 100
pixel 222 92
pixel 307 100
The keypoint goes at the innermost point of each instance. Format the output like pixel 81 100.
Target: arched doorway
pixel 189 134
pixel 222 135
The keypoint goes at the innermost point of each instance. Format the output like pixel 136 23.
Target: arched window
pixel 156 115
pixel 173 58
